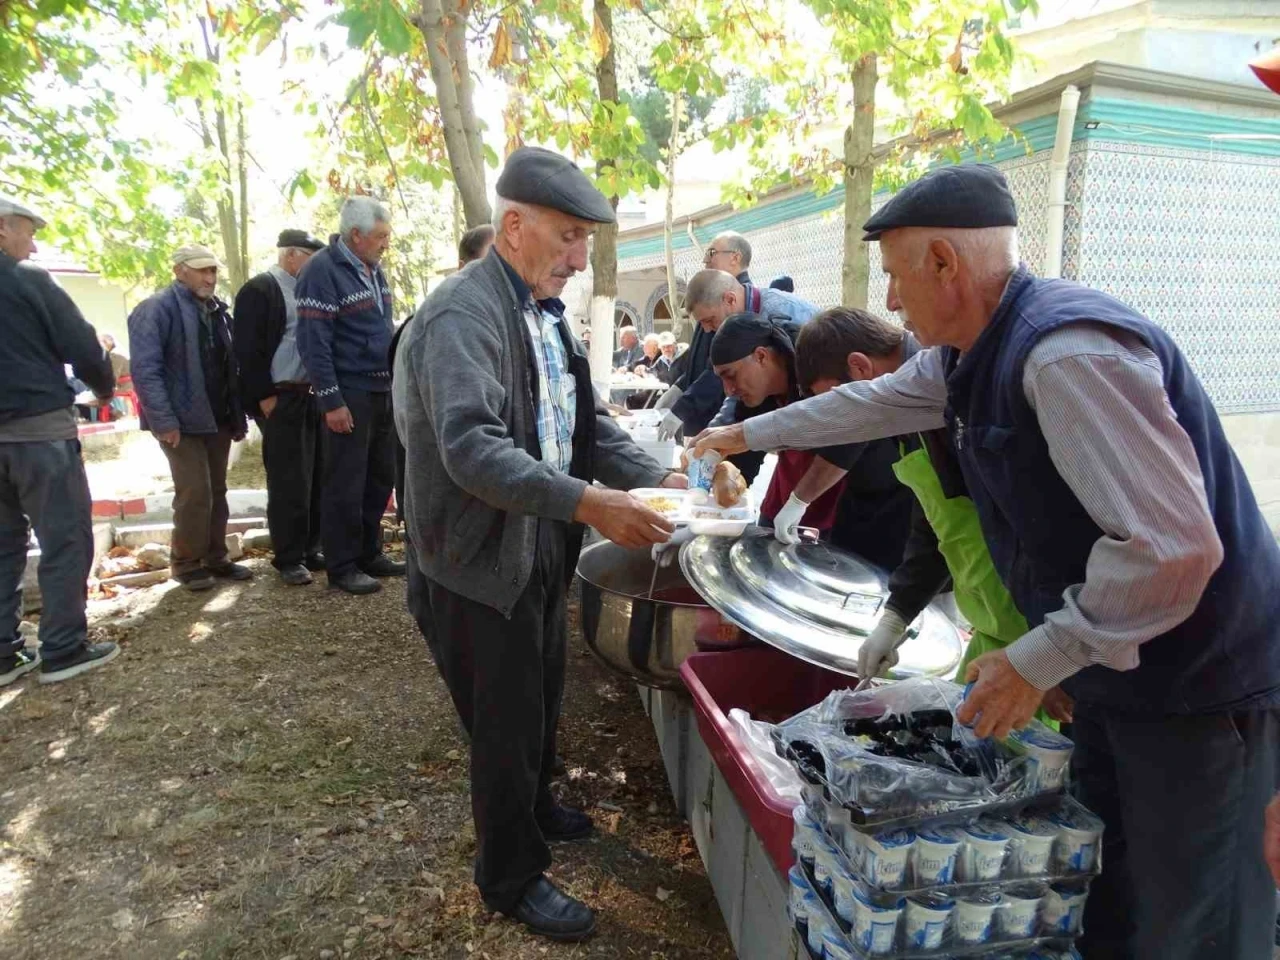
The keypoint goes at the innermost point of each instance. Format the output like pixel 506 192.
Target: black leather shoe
pixel 231 571
pixel 314 563
pixel 552 914
pixel 564 824
pixel 557 766
pixel 383 566
pixel 354 582
pixel 295 575
pixel 196 580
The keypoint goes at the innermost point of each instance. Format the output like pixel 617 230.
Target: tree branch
pixel 395 174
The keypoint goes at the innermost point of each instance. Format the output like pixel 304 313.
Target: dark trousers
pixel 292 455
pixel 1182 799
pixel 44 481
pixel 199 468
pixel 359 474
pixel 506 677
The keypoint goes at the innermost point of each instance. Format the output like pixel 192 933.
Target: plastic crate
pixel 770 685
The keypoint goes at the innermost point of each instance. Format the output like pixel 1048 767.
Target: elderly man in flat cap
pixel 277 393
pixel 42 479
pixel 504 436
pixel 1125 529
pixel 184 373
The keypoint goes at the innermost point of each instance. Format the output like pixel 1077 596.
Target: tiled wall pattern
pixel 1189 237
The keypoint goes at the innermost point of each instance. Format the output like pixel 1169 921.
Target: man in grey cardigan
pixel 503 437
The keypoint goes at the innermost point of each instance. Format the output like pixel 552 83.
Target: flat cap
pixel 970 195
pixel 299 238
pixel 546 179
pixel 196 257
pixel 12 208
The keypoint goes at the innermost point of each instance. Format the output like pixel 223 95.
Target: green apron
pixel 980 593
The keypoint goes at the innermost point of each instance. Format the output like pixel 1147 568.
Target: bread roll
pixel 728 485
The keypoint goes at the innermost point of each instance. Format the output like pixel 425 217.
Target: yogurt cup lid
pixel 932 900
pixel 985 830
pixel 941 834
pixel 864 898
pixel 1043 737
pixel 1026 891
pixel 895 838
pixel 1032 826
pixel 980 900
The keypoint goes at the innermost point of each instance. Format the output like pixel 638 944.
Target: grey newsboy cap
pixel 546 179
pixel 12 208
pixel 300 239
pixel 970 195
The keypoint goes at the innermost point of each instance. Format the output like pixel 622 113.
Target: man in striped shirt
pixel 1127 533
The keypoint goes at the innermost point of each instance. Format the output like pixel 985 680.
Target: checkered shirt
pixel 557 391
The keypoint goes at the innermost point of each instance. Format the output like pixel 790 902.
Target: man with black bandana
pixel 848 491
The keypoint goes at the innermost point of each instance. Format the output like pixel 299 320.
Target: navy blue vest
pixel 1227 653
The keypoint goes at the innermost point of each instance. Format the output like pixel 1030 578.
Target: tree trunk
pixel 242 149
pixel 673 151
pixel 227 219
pixel 451 74
pixel 604 247
pixel 859 169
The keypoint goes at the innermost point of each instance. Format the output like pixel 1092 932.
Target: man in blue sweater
pixel 344 334
pixel 42 478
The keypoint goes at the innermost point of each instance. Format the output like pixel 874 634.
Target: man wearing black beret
pixel 1129 537
pixel 504 436
pixel 277 393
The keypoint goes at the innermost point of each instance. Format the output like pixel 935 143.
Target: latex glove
pixel 664 553
pixel 668 398
pixel 879 651
pixel 670 426
pixel 788 519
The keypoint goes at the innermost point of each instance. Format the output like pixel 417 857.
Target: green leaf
pixel 393 31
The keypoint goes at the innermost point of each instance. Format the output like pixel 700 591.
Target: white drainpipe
pixel 1057 199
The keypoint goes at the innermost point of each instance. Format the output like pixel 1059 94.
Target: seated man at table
pixel 849 492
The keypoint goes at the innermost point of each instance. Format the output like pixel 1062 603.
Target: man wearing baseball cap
pixel 277 393
pixel 184 373
pixel 1128 535
pixel 42 479
pixel 504 436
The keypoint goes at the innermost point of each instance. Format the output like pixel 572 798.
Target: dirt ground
pixel 273 772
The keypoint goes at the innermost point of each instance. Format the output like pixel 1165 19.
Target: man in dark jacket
pixel 184 372
pixel 277 394
pixel 504 436
pixel 42 478
pixel 344 331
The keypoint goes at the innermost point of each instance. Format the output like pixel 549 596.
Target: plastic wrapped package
pixel 895 753
pixel 1025 922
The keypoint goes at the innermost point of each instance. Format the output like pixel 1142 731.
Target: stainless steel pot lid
pixel 813 601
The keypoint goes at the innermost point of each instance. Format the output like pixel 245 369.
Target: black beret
pixel 969 195
pixel 299 238
pixel 546 179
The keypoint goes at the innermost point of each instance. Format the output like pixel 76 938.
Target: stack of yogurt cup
pixel 955 887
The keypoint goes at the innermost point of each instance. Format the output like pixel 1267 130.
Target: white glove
pixel 668 398
pixel 879 651
pixel 669 427
pixel 664 553
pixel 788 519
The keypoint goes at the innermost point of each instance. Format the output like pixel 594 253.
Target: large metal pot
pixel 646 639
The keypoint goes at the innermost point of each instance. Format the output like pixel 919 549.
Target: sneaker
pixel 383 566
pixel 14 667
pixel 198 579
pixel 231 571
pixel 295 575
pixel 91 655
